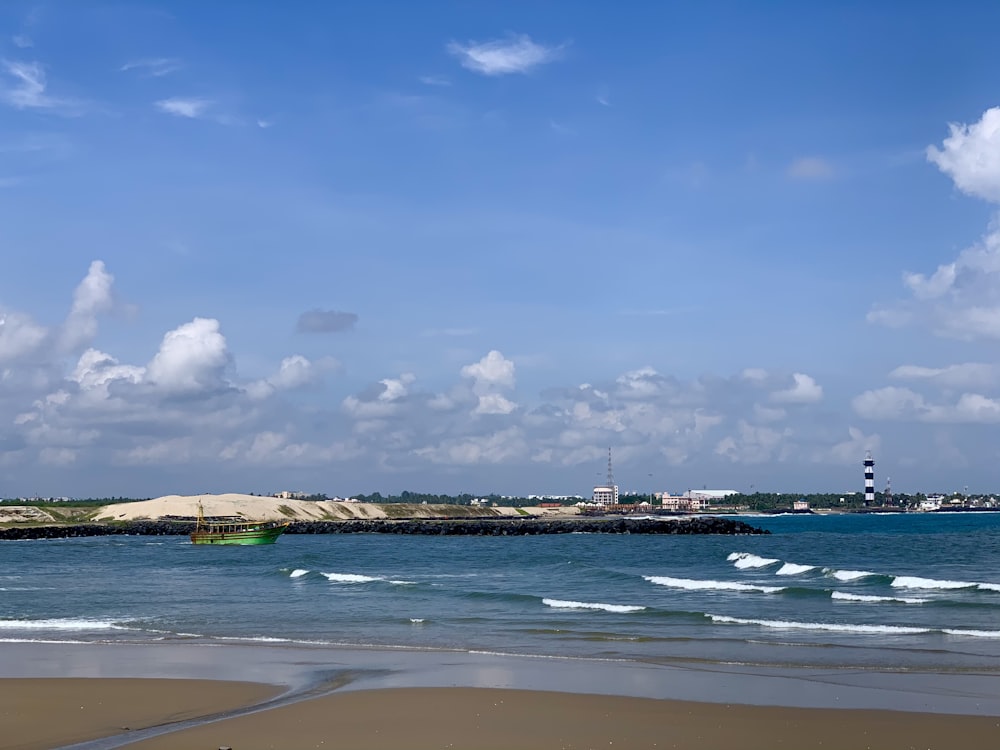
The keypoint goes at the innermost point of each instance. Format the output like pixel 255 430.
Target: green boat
pixel 235 531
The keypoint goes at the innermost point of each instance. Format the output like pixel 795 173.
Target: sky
pixel 469 246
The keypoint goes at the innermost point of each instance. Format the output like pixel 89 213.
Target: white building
pixel 606 495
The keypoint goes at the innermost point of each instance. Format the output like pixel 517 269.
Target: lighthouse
pixel 869 479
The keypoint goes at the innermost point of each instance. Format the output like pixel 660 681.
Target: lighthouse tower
pixel 869 479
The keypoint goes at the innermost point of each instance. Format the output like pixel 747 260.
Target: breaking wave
pixel 692 584
pixel 826 626
pixel 914 582
pixel 844 596
pixel 744 560
pixel 793 569
pixel 67 623
pixel 621 608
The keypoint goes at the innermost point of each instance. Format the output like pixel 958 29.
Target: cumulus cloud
pixel 491 374
pixel 970 155
pixel 92 297
pixel 192 358
pixel 804 390
pixel 961 298
pixel 515 54
pixel 904 404
pixel 325 321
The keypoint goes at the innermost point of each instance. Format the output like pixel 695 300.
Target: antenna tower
pixel 887 498
pixel 611 475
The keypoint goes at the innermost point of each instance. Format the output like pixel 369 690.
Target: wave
pixel 417 620
pixel 358 578
pixel 66 623
pixel 848 575
pixel 621 608
pixel 709 585
pixel 973 633
pixel 844 596
pixel 826 626
pixel 744 560
pixel 298 573
pixel 914 582
pixel 793 569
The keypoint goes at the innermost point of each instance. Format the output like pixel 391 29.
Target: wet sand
pixel 51 713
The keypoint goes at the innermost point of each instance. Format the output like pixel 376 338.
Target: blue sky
pixel 467 246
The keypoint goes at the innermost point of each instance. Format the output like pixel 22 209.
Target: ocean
pixel 891 592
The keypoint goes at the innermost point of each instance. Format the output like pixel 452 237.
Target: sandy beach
pixel 476 719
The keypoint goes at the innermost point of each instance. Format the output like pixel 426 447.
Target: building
pixel 679 503
pixel 606 495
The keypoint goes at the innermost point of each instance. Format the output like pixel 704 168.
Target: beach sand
pixel 51 712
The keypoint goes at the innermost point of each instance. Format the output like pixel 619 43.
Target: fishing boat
pixel 235 531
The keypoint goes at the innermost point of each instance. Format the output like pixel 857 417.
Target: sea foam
pixel 914 582
pixel 844 596
pixel 850 575
pixel 298 573
pixel 60 624
pixel 744 560
pixel 697 585
pixel 828 626
pixel 793 569
pixel 558 603
pixel 350 578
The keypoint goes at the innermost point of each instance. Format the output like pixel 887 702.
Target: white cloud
pixel 192 108
pixel 26 88
pixel 810 168
pixel 498 447
pixel 493 370
pixel 805 390
pixel 192 358
pixel 904 404
pixel 154 66
pixel 752 444
pixel 22 41
pixel 968 375
pixel 516 54
pixel 961 298
pixel 970 155
pixel 19 336
pixel 434 81
pixel 92 297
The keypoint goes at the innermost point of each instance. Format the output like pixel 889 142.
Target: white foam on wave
pixel 403 583
pixel 850 575
pixel 793 569
pixel 60 624
pixel 350 578
pixel 973 633
pixel 915 582
pixel 298 573
pixel 696 585
pixel 844 596
pixel 559 604
pixel 416 620
pixel 829 626
pixel 743 560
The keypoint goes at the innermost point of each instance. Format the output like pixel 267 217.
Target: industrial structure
pixel 608 493
pixel 869 479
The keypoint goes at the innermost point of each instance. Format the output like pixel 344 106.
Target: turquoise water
pixel 889 592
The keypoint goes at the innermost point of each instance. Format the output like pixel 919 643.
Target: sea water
pixel 887 592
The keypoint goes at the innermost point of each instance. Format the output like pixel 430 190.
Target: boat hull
pixel 260 535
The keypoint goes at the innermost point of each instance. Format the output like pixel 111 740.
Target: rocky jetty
pixel 441 527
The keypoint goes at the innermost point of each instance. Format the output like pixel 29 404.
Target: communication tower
pixel 888 492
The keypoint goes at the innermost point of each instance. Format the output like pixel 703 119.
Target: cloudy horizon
pixel 448 257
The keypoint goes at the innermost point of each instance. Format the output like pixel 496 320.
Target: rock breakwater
pixel 442 527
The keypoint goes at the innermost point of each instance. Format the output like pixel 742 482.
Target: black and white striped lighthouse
pixel 869 479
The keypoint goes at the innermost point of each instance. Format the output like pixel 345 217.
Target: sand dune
pixel 260 508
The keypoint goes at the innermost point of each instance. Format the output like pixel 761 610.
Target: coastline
pixel 302 687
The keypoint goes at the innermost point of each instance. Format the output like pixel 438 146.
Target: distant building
pixel 606 495
pixel 800 505
pixel 710 495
